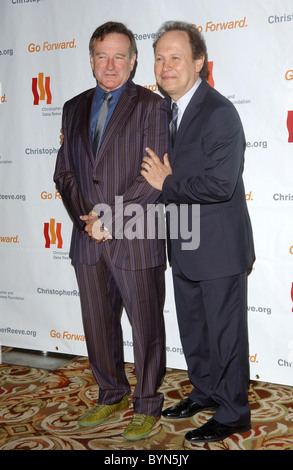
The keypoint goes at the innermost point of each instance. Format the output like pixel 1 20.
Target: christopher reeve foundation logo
pixel 289 79
pixel 41 89
pixel 52 234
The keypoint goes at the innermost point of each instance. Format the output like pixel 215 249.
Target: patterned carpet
pixel 39 410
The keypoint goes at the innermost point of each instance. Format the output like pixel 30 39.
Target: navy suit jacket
pixel 207 163
pixel 139 120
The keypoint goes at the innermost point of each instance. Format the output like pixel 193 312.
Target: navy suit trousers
pixel 212 317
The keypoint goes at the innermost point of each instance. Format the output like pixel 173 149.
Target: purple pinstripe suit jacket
pixel 139 120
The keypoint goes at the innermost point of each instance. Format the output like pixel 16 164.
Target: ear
pixel 133 60
pixel 92 61
pixel 199 63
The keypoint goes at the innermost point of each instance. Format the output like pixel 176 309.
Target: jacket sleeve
pixel 222 150
pixel 65 179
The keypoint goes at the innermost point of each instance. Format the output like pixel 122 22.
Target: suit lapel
pixel 85 121
pixel 190 113
pixel 120 115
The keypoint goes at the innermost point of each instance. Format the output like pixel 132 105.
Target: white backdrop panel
pixel 44 62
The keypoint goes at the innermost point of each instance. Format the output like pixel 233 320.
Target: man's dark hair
pixel 109 28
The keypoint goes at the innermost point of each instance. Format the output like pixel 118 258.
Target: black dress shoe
pixel 212 431
pixel 185 409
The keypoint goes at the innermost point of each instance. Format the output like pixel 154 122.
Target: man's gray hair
pixel 197 42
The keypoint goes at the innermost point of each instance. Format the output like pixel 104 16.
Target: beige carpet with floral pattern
pixel 39 410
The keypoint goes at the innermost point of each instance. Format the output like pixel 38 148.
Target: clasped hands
pixel 94 227
pixel 154 170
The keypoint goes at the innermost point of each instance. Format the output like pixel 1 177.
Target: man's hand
pixel 154 171
pixel 94 227
pixel 61 137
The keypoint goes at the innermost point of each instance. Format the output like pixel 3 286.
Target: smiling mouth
pixel 168 77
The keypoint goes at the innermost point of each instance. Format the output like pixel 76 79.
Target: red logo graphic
pixel 52 235
pixel 210 74
pixel 290 125
pixel 41 89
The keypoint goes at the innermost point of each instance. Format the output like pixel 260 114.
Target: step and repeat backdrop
pixel 44 61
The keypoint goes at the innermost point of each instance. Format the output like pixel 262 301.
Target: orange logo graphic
pixel 290 125
pixel 52 235
pixel 210 74
pixel 41 89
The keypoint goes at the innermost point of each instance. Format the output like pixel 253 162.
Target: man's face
pixel 111 62
pixel 175 69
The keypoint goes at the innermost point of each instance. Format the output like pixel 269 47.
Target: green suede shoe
pixel 139 427
pixel 99 413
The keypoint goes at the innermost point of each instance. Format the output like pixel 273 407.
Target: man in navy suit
pixel 99 188
pixel 205 168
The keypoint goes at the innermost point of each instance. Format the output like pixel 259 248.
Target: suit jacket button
pixel 95 181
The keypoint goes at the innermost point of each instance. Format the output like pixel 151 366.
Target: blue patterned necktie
pixel 173 123
pixel 101 121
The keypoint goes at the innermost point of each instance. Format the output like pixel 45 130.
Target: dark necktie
pixel 101 121
pixel 173 123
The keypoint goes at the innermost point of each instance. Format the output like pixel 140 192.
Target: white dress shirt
pixel 183 102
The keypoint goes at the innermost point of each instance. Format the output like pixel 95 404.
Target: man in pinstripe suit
pixel 124 270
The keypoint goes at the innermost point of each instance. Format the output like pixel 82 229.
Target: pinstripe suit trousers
pixel 104 289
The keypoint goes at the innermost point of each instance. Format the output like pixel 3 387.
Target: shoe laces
pixel 140 419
